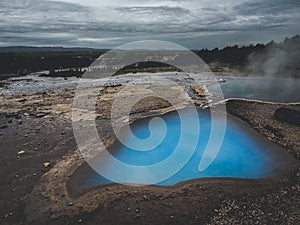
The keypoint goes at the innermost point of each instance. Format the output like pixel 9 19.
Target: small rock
pixel 26 114
pixel 70 203
pixel 137 210
pixel 21 152
pixel 34 174
pixel 128 209
pixel 1 133
pixel 80 221
pixel 40 115
pixel 6 215
pixel 145 197
pixel 47 164
pixel 3 126
pixel 18 117
pixel 11 213
pixel 22 100
pixel 172 217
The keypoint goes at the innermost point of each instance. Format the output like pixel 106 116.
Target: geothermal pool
pixel 243 153
pixel 265 88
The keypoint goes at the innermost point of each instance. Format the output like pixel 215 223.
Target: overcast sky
pixel 108 23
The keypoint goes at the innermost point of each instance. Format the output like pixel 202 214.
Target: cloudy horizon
pixel 191 23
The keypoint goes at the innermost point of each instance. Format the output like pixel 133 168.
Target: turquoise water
pixel 243 153
pixel 265 88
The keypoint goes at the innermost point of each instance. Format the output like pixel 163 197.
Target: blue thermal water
pixel 263 88
pixel 243 153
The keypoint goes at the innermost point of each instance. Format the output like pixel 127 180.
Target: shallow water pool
pixel 265 88
pixel 243 153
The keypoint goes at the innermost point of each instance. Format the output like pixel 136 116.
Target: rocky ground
pixel 40 156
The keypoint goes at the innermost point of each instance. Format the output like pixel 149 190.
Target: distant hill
pixel 28 49
pixel 18 61
pixel 270 58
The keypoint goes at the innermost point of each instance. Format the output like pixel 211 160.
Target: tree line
pixel 253 58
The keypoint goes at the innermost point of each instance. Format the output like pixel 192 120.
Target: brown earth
pixel 40 125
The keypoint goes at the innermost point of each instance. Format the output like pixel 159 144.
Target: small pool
pixel 243 154
pixel 264 88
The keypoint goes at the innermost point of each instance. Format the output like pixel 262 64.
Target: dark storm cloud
pixel 273 7
pixel 109 23
pixel 270 13
pixel 29 16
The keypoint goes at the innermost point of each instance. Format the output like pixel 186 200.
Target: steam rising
pixel 277 59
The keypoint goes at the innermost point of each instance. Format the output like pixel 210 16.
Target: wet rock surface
pixel 262 117
pixel 287 115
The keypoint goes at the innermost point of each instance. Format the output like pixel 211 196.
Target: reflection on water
pixel 261 88
pixel 243 154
